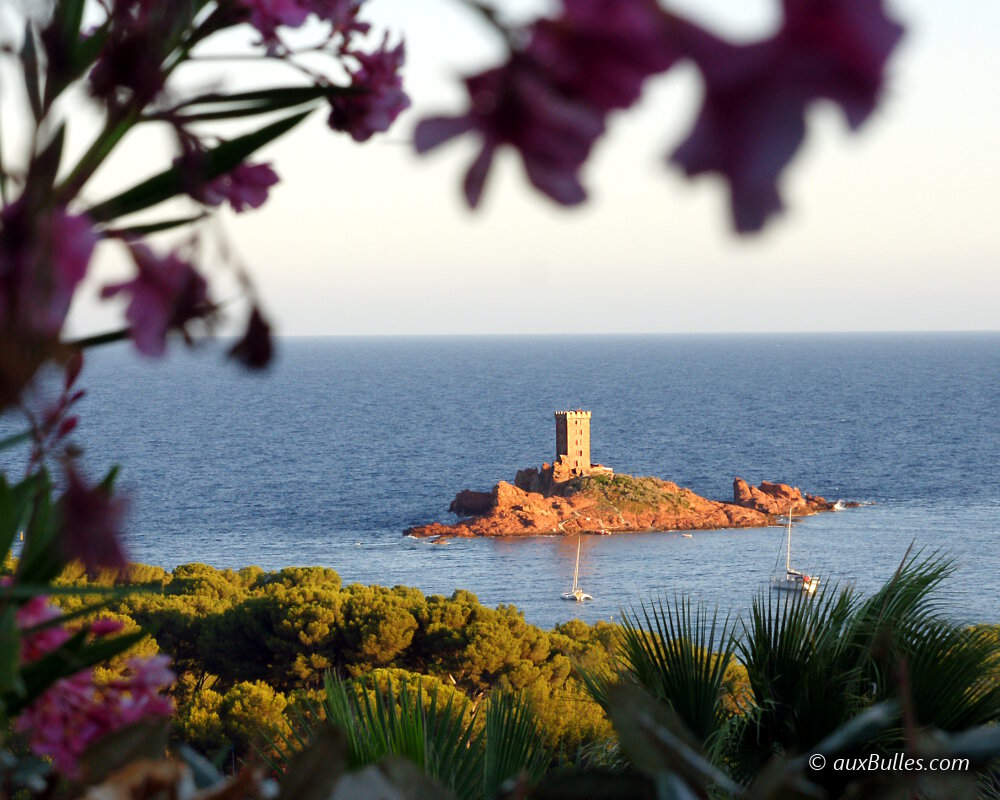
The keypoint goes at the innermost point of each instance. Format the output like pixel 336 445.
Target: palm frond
pixel 804 679
pixel 513 743
pixel 442 740
pixel 679 653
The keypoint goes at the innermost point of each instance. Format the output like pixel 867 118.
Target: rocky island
pixel 573 495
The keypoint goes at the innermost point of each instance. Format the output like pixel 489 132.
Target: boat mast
pixel 788 543
pixel 576 569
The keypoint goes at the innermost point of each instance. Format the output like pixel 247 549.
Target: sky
pixel 892 229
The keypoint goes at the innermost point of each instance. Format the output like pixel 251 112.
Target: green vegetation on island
pixel 622 492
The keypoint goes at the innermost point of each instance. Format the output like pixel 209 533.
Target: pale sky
pixel 893 229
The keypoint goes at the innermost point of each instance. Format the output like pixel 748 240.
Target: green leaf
pixel 513 742
pixel 91 608
pixel 86 51
pixel 40 560
pixel 3 174
pixel 14 503
pixel 216 106
pixel 15 440
pixel 23 591
pixel 278 94
pixel 107 484
pixel 69 16
pixel 45 166
pixel 29 65
pixel 138 231
pixel 63 36
pixel 10 652
pixel 215 162
pixel 99 339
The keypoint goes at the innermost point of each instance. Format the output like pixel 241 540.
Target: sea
pixel 327 457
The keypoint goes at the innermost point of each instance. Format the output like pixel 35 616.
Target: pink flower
pixel 43 257
pixel 56 423
pixel 268 15
pixel 550 100
pixel 75 712
pixel 245 187
pixel 841 48
pixel 752 119
pixel 167 293
pixel 92 521
pixel 37 611
pixel 380 97
pixel 131 59
pixel 516 105
pixel 341 13
pixel 600 52
pixel 105 627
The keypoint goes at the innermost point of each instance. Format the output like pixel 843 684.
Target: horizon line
pixel 610 334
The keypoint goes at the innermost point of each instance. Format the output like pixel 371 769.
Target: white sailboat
pixel 577 593
pixel 793 580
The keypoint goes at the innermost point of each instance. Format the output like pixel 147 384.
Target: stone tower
pixel 573 440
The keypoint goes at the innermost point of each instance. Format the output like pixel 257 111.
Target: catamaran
pixel 577 593
pixel 793 580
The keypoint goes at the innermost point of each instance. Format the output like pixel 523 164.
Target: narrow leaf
pixel 215 106
pixel 287 95
pixel 45 166
pixel 40 560
pixel 215 162
pixel 87 49
pixel 10 653
pixel 70 14
pixel 29 65
pixel 3 174
pixel 139 231
pixel 14 503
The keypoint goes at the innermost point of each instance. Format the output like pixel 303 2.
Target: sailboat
pixel 793 580
pixel 577 593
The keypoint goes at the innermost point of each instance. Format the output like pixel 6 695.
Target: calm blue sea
pixel 346 442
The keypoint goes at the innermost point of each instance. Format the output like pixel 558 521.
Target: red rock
pixel 537 504
pixel 777 498
pixel 468 503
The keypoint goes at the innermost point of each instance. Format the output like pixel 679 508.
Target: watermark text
pixel 897 762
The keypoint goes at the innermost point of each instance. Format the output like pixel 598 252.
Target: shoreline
pixel 537 504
